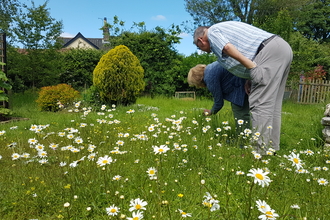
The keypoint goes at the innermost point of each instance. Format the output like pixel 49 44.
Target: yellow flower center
pixel 161 150
pixel 105 161
pixel 113 210
pixel 269 214
pixel 183 213
pixel 296 160
pixel 136 218
pixel 138 206
pixel 259 176
pixel 152 172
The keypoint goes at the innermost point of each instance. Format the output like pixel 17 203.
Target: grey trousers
pixel 268 81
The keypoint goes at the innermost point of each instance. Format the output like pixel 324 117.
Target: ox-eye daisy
pixel 137 204
pixel 117 177
pixel 210 202
pixel 184 214
pixel 161 149
pixel 322 181
pixel 152 171
pixel 136 216
pixel 15 156
pixel 102 161
pixel 262 206
pixel 269 215
pixel 112 210
pixel 260 176
pixel 32 141
pixel 296 161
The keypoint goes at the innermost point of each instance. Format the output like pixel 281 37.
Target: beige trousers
pixel 268 81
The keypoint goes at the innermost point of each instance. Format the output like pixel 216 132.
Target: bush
pixel 119 77
pixel 51 97
pixel 91 96
pixel 78 66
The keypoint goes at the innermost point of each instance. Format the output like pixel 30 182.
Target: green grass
pixel 197 162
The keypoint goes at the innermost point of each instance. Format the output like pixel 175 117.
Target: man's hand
pixel 207 112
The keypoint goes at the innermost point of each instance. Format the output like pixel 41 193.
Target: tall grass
pixel 64 181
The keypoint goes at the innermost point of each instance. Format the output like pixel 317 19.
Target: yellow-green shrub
pixel 50 97
pixel 118 76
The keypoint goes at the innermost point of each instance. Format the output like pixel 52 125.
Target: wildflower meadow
pixel 160 159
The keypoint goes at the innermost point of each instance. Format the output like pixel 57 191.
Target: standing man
pixel 222 85
pixel 263 59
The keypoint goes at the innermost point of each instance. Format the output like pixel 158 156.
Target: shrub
pixel 119 76
pixel 91 96
pixel 50 97
pixel 78 66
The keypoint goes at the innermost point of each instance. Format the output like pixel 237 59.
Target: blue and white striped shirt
pixel 246 38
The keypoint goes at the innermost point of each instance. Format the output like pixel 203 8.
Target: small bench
pixel 185 95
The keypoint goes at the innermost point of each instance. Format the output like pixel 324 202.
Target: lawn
pixel 158 159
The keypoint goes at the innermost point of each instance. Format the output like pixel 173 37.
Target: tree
pixel 8 10
pixel 37 32
pixel 313 20
pixel 282 24
pixel 208 12
pixel 157 55
pixel 36 29
pixel 78 66
pixel 118 76
pixel 307 54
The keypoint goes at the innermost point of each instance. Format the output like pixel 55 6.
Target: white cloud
pixel 158 18
pixel 184 35
pixel 65 34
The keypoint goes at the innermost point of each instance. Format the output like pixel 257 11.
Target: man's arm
pixel 231 51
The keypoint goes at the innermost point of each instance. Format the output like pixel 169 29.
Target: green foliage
pixel 38 64
pixel 51 98
pixel 3 84
pixel 280 24
pixel 119 76
pixel 5 112
pixel 197 162
pixel 91 96
pixel 160 61
pixel 78 67
pixel 3 96
pixel 36 29
pixel 307 54
pixel 8 10
pixel 189 62
pixel 33 68
pixel 314 19
pixel 209 12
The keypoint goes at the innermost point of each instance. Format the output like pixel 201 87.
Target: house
pixel 80 41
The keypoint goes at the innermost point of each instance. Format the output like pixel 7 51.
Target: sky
pixel 86 16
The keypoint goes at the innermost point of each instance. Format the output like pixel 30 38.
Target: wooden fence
pixel 312 91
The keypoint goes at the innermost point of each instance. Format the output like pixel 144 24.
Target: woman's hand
pixel 207 112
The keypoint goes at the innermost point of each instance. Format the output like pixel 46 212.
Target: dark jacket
pixel 223 85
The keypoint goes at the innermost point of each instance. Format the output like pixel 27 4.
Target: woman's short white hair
pixel 196 76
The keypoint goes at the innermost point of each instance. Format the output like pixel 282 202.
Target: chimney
pixel 106 32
